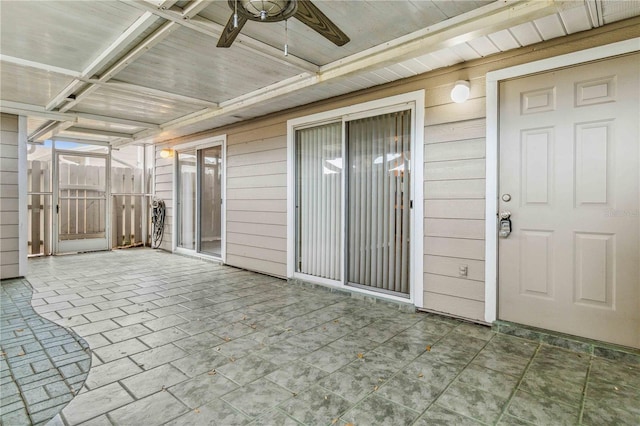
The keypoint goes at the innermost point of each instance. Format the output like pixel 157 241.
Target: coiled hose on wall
pixel 157 219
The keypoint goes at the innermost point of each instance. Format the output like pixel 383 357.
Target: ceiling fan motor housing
pixel 266 10
pixel 279 10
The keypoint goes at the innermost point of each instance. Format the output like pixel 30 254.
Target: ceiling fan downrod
pixel 286 38
pixel 235 15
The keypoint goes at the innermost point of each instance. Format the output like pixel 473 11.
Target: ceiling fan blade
pixel 313 17
pixel 230 33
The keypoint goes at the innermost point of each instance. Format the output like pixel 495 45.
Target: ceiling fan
pixel 279 10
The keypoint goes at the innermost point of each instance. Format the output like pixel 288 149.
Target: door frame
pixel 221 141
pixel 492 146
pixel 55 225
pixel 411 100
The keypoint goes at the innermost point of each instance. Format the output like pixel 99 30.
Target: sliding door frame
pixel 196 147
pixel 413 101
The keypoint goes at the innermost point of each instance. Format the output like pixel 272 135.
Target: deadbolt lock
pixel 505 224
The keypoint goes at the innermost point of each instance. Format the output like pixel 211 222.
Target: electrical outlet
pixel 463 270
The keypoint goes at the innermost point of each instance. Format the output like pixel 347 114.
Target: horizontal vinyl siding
pixel 9 198
pixel 454 225
pixel 257 200
pixel 164 190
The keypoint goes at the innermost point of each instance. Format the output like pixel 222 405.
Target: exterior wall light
pixel 460 91
pixel 166 153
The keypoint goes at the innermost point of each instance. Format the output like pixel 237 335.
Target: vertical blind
pixel 378 215
pixel 210 171
pixel 187 200
pixel 319 200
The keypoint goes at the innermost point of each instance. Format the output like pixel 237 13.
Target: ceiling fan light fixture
pixel 268 9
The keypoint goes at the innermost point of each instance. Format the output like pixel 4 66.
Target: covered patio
pixel 178 340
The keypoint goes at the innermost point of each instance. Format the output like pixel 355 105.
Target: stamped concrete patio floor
pixel 187 342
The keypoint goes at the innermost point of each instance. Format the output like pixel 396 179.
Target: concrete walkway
pixel 42 365
pixel 182 341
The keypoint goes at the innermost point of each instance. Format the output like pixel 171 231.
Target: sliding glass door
pixel 353 202
pixel 199 193
pixel 186 200
pixel 210 177
pixel 378 152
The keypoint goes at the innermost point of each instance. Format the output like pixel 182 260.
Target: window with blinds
pixel 374 191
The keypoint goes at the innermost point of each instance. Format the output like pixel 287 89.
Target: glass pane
pixel 82 197
pixel 319 200
pixel 187 200
pixel 379 201
pixel 211 201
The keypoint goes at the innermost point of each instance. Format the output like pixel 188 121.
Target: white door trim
pixel 492 132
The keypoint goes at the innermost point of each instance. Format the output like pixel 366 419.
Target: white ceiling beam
pixel 195 7
pixel 193 117
pixel 213 30
pixel 19 108
pixel 42 130
pixel 115 49
pixel 61 127
pixel 128 87
pixel 39 66
pixel 38 111
pixel 485 20
pixel 99 132
pixel 80 140
pixel 162 4
pixel 49 131
pixel 116 120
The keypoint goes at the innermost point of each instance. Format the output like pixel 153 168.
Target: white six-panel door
pixel 569 160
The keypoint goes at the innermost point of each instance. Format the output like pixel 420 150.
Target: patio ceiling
pixel 147 71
